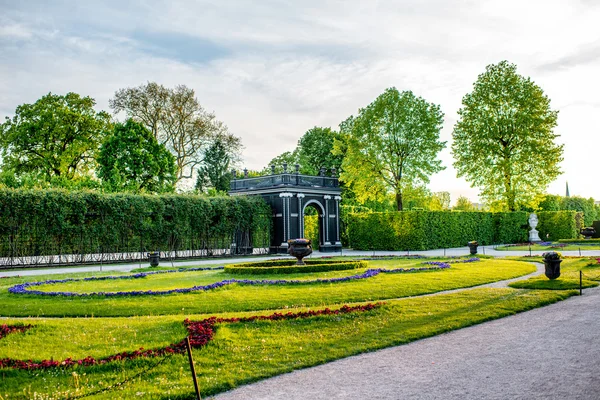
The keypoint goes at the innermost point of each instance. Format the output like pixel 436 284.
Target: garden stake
pixel 580 283
pixel 189 351
pixel 529 250
pixel 580 252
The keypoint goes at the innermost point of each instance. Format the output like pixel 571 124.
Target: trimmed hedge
pixel 290 267
pixel 555 225
pixel 48 222
pixel 424 230
pixel 583 241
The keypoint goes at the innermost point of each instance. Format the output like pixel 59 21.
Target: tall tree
pixel 392 143
pixel 463 204
pixel 577 203
pixel 315 151
pixel 287 157
pixel 504 142
pixel 214 172
pixel 57 136
pixel 132 160
pixel 177 120
pixel 440 201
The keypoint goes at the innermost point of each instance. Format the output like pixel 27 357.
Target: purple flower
pixel 23 288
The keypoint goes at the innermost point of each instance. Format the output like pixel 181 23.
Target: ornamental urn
pixel 588 232
pixel 473 246
pixel 552 263
pixel 154 258
pixel 299 248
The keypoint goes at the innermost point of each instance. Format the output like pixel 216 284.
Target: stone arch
pixel 321 219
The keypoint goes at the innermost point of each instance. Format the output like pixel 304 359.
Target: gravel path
pixel 551 352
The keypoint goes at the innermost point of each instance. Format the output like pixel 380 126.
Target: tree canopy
pixel 391 144
pixel 177 120
pixel 315 151
pixel 463 204
pixel 503 141
pixel 132 160
pixel 57 136
pixel 214 171
pixel 287 157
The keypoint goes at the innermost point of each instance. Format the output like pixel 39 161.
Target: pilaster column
pixel 326 218
pixel 300 215
pixel 285 198
pixel 337 219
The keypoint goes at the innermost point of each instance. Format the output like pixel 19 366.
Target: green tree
pixel 504 140
pixel 214 172
pixel 288 157
pixel 392 142
pixel 57 136
pixel 463 204
pixel 132 160
pixel 551 202
pixel 315 151
pixel 177 120
pixel 414 197
pixel 440 201
pixel 586 206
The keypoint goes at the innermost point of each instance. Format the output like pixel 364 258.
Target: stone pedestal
pixel 534 236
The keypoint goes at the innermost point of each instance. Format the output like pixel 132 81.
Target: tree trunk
pixel 399 201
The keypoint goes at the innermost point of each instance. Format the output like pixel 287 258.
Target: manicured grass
pixel 241 352
pixel 554 247
pixel 569 276
pixel 239 297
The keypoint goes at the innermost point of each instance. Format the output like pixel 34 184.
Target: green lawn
pixel 240 352
pixel 237 297
pixel 569 276
pixel 554 247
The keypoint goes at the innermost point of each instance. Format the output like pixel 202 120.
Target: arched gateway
pixel 289 194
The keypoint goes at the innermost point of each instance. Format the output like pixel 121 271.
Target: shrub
pixel 48 222
pixel 583 241
pixel 290 267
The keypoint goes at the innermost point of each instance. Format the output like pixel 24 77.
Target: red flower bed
pixel 8 329
pixel 199 333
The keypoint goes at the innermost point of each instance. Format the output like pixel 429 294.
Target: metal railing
pixel 285 179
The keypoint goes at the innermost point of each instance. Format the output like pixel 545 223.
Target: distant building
pixel 567 192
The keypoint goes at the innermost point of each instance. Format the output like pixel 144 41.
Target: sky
pixel 271 70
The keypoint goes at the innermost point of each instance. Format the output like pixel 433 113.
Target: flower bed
pixel 391 257
pixel 199 334
pixel 8 329
pixel 290 266
pixel 23 288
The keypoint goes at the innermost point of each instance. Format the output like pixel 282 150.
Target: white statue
pixel 533 234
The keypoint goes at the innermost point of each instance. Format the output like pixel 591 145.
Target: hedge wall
pixel 424 230
pixel 43 222
pixel 555 225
